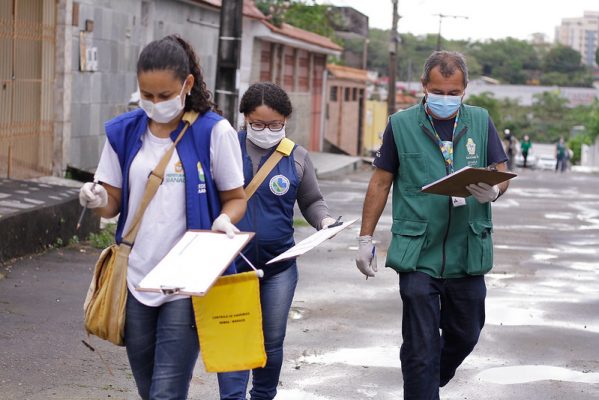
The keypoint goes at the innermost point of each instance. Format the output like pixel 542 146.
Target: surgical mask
pixel 266 138
pixel 164 111
pixel 443 106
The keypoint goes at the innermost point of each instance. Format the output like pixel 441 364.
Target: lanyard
pixel 445 150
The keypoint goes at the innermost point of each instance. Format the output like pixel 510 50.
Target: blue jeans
pixel 456 306
pixel 276 295
pixel 162 346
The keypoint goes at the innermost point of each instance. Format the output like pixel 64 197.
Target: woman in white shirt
pixel 202 189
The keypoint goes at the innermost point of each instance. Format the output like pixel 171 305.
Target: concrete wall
pixel 374 126
pixel 299 125
pixel 121 29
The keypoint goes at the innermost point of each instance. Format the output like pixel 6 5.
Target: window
pixel 333 93
pixel 347 94
pixel 355 95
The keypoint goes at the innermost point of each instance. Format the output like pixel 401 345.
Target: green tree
pixel 488 101
pixel 306 15
pixel 597 56
pixel 549 115
pixel 509 60
pixel 562 59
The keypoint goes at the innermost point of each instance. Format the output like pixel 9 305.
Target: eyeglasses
pixel 273 126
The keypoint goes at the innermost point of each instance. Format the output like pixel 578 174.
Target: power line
pixel 441 16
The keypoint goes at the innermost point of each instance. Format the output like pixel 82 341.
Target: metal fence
pixel 27 50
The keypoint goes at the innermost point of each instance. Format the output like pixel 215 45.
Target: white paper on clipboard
pixel 311 242
pixel 194 263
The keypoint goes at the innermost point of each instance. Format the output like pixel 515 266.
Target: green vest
pixel 428 233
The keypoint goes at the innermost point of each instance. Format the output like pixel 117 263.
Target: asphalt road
pixel 541 339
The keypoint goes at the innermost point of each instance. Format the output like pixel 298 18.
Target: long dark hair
pixel 175 54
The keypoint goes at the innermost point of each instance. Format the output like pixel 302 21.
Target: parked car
pixel 546 162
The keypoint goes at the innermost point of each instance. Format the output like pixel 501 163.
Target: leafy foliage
pixel 508 59
pixel 104 238
pixel 302 14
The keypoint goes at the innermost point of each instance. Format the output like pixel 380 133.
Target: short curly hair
pixel 268 94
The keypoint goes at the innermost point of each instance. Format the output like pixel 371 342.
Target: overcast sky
pixel 486 19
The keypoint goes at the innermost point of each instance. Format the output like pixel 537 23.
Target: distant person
pixel 561 155
pixel 266 108
pixel 202 189
pixel 441 247
pixel 525 146
pixel 510 148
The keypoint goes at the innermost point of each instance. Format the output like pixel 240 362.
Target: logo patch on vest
pixel 471 157
pixel 201 178
pixel 471 147
pixel 279 185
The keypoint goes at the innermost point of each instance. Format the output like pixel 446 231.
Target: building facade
pixel 67 66
pixel 345 109
pixel 581 34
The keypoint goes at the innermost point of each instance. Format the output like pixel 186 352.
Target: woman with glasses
pixel 266 108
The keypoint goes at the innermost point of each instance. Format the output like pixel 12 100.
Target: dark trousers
pixel 456 307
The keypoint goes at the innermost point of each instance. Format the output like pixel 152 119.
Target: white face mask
pixel 164 111
pixel 265 138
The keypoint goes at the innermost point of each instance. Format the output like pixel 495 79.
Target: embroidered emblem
pixel 279 185
pixel 471 147
pixel 201 172
pixel 201 178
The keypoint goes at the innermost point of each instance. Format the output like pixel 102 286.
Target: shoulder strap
pixel 155 180
pixel 284 149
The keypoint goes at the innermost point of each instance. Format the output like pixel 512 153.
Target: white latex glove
pixel 366 259
pixel 326 221
pixel 223 224
pixel 93 198
pixel 483 192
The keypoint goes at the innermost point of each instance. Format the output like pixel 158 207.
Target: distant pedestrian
pixel 266 108
pixel 441 247
pixel 510 148
pixel 202 189
pixel 561 155
pixel 525 146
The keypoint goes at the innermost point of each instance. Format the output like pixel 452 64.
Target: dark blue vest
pixel 269 213
pixel 202 201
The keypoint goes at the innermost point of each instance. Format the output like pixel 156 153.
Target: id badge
pixel 458 201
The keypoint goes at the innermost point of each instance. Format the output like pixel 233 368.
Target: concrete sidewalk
pixel 328 165
pixel 37 214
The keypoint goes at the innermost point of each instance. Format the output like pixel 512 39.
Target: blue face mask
pixel 443 106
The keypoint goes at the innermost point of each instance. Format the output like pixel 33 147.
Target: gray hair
pixel 447 61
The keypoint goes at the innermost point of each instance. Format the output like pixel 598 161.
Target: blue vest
pixel 202 203
pixel 269 213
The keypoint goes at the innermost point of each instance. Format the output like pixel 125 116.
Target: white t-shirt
pixel 164 220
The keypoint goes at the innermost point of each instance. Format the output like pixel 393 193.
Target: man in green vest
pixel 441 247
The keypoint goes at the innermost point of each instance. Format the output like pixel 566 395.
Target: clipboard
pixel 196 261
pixel 455 184
pixel 312 241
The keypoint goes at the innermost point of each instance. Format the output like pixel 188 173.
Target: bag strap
pixel 284 148
pixel 155 180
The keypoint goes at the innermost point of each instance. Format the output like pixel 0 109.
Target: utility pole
pixel 229 51
pixel 393 44
pixel 441 16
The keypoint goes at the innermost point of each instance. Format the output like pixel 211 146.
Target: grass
pixel 104 238
pixel 300 222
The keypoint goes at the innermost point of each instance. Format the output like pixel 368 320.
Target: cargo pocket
pixel 480 247
pixel 406 244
